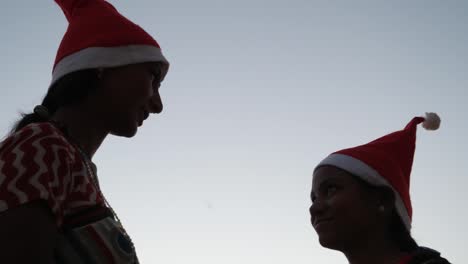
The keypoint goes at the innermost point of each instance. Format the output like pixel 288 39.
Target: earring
pixel 99 73
pixel 381 208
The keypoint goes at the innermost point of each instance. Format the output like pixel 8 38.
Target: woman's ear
pixel 385 200
pixel 100 73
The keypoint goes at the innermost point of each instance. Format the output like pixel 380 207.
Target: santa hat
pixel 386 161
pixel 99 36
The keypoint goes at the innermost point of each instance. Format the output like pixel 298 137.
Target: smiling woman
pixel 105 80
pixel 361 204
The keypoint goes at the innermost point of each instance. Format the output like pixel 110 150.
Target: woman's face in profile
pixel 129 94
pixel 342 212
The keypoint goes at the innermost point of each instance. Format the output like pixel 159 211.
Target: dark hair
pixel 70 89
pixel 400 235
pixel 396 230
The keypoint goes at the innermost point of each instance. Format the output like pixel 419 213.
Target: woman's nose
pixel 155 104
pixel 317 208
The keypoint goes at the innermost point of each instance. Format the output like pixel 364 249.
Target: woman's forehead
pixel 331 173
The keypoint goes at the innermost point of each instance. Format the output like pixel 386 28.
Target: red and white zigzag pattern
pixel 38 162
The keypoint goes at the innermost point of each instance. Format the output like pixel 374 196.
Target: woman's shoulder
pixel 36 163
pixel 35 138
pixel 425 255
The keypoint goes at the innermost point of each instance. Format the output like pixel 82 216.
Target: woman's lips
pixel 320 222
pixel 143 115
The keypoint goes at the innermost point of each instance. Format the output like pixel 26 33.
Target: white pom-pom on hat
pixel 431 122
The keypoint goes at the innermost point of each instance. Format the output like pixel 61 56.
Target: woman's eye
pixel 156 85
pixel 331 190
pixel 155 75
pixel 155 81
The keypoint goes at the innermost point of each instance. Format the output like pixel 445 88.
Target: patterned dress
pixel 39 163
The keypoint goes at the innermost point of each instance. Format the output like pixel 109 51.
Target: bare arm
pixel 28 234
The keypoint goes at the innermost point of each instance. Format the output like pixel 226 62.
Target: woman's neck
pixel 82 127
pixel 374 251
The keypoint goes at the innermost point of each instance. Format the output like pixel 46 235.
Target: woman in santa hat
pixel 105 80
pixel 361 203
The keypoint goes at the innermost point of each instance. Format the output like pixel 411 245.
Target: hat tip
pixel 431 122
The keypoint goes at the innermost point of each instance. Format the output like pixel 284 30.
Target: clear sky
pixel 259 91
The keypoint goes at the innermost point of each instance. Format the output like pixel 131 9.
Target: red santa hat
pixel 98 36
pixel 386 161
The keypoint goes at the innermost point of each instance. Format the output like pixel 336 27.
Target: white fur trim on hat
pixel 368 174
pixel 102 57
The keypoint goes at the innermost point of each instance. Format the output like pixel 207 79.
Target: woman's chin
pixel 329 242
pixel 127 131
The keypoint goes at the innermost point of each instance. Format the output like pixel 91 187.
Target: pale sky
pixel 259 91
